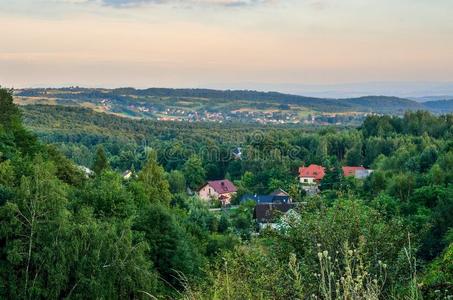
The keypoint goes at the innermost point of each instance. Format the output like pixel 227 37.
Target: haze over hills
pixel 167 102
pixel 416 90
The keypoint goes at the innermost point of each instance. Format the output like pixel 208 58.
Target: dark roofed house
pixel 267 214
pixel 279 192
pixel 260 199
pixel 222 190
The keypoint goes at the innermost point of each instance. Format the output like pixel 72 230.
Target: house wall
pixel 227 200
pixel 207 193
pixel 311 189
pixel 307 180
pixel 362 174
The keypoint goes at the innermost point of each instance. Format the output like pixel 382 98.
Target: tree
pixel 401 186
pixel 13 136
pixel 428 158
pixel 439 275
pixel 100 162
pixel 170 248
pixel 194 172
pixel 10 116
pixel 332 178
pixel 436 175
pixel 354 156
pixel 154 186
pixel 34 226
pixel 177 182
pixel 224 223
pixel 108 261
pixel 107 196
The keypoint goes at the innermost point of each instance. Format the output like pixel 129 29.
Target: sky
pixel 253 44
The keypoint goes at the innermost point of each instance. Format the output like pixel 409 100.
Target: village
pixel 278 206
pixel 180 114
pixel 269 210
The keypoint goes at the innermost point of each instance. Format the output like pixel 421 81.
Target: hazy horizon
pixel 311 47
pixel 420 91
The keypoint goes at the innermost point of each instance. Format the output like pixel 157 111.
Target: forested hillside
pixel 445 106
pixel 68 234
pixel 196 105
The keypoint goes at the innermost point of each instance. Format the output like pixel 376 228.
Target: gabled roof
pixel 312 171
pixel 350 171
pixel 265 213
pixel 222 186
pixel 260 199
pixel 279 192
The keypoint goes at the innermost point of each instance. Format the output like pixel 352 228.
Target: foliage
pixel 65 235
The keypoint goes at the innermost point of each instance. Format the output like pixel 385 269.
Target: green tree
pixel 107 196
pixel 224 223
pixel 107 261
pixel 10 117
pixel 34 226
pixel 177 182
pixel 332 178
pixel 354 156
pixel 427 158
pixel 170 248
pixel 100 162
pixel 154 185
pixel 194 172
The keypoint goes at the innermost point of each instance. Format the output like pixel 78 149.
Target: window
pixel 305 180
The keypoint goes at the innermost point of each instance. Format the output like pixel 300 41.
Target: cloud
pixel 225 3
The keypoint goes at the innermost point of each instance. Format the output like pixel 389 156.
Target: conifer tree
pixel 100 163
pixel 153 181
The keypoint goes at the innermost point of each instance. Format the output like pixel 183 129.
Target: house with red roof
pixel 310 177
pixel 350 171
pixel 222 190
pixel 358 172
pixel 313 174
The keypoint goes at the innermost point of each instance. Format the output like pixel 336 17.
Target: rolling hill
pixel 439 106
pixel 222 105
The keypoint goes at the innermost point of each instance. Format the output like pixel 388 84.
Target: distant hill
pixel 439 106
pixel 368 103
pixel 227 106
pixel 383 104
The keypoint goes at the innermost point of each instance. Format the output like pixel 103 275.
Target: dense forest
pixel 68 235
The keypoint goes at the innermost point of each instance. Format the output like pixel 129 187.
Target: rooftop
pixel 222 186
pixel 312 171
